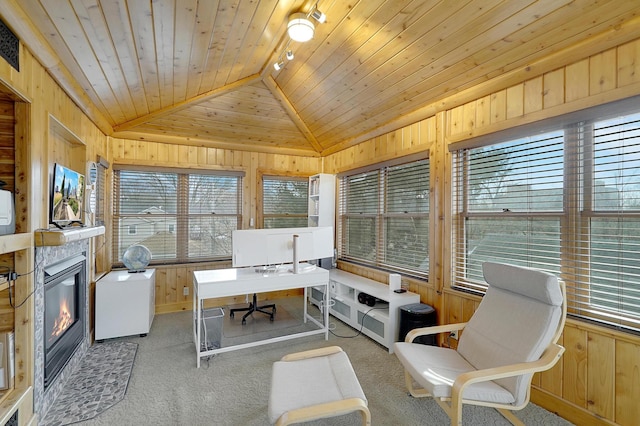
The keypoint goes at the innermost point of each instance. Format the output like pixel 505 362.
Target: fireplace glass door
pixel 64 301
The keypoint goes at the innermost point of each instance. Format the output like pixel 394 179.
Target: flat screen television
pixel 67 196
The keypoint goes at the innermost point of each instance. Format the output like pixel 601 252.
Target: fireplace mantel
pixel 59 237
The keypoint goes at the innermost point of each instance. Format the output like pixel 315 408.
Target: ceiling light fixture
pixel 300 28
pixel 319 16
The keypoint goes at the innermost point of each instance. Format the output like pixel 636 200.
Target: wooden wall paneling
pixel 602 72
pixel 161 284
pixel 628 60
pixel 6 310
pixel 7 144
pixel 483 111
pixel 515 101
pixel 469 117
pixel 574 362
pixel 600 375
pixel 627 383
pixel 170 286
pixel 553 85
pixel 551 380
pixel 498 106
pixel 454 120
pixel 533 94
pixel 576 75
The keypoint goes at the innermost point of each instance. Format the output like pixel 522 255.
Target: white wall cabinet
pixel 322 200
pixel 125 304
pixel 380 322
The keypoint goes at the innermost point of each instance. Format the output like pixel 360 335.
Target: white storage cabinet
pixel 125 304
pixel 382 324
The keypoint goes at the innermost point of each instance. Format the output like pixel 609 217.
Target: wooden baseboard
pixel 566 410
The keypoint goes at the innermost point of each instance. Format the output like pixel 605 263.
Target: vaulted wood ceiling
pixel 200 71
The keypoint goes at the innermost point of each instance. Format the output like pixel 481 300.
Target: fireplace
pixel 64 313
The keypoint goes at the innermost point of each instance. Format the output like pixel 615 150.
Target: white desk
pixel 234 281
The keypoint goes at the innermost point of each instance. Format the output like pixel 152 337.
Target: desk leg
pixel 198 318
pixel 325 311
pixel 305 304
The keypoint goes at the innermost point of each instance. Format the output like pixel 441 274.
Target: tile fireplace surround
pixel 44 256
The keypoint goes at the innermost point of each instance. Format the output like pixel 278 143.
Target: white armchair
pixel 512 335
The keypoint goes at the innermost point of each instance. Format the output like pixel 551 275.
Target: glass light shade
pixel 290 55
pixel 300 28
pixel 278 65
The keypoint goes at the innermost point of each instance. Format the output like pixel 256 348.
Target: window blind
pixel 285 202
pixel 606 250
pixel 566 201
pixel 508 203
pixel 180 217
pixel 384 217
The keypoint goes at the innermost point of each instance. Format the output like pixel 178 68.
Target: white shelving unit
pixel 322 200
pixel 380 323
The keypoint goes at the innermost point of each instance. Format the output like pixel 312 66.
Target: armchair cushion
pixel 435 369
pixel 515 322
pixel 327 379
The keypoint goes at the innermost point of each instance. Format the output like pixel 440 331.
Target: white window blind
pixel 179 216
pixel 566 201
pixel 606 254
pixel 285 202
pixel 508 203
pixel 384 217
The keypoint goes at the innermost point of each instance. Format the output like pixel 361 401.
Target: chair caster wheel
pixel 271 318
pixel 244 322
pixel 230 314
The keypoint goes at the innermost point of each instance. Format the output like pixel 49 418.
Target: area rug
pixel 100 381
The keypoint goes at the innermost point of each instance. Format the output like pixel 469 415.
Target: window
pixel 384 217
pixel 179 216
pixel 509 206
pixel 285 202
pixel 566 201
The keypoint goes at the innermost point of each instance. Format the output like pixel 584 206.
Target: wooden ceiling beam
pixel 291 111
pixel 187 103
pixel 236 146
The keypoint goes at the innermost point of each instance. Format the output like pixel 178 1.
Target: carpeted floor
pixel 232 388
pixel 100 382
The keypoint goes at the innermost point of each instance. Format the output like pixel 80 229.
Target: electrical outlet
pixel 454 334
pixel 185 291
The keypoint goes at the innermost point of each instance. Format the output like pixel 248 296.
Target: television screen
pixel 67 195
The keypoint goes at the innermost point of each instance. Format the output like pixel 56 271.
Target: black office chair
pixel 253 307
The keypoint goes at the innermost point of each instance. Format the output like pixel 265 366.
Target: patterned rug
pixel 100 382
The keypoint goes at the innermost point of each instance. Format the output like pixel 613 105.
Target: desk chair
pixel 253 307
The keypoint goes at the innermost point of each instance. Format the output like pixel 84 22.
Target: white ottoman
pixel 313 385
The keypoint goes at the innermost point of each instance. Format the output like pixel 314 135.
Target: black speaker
pixel 366 299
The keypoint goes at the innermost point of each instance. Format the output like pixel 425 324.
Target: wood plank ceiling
pixel 200 71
